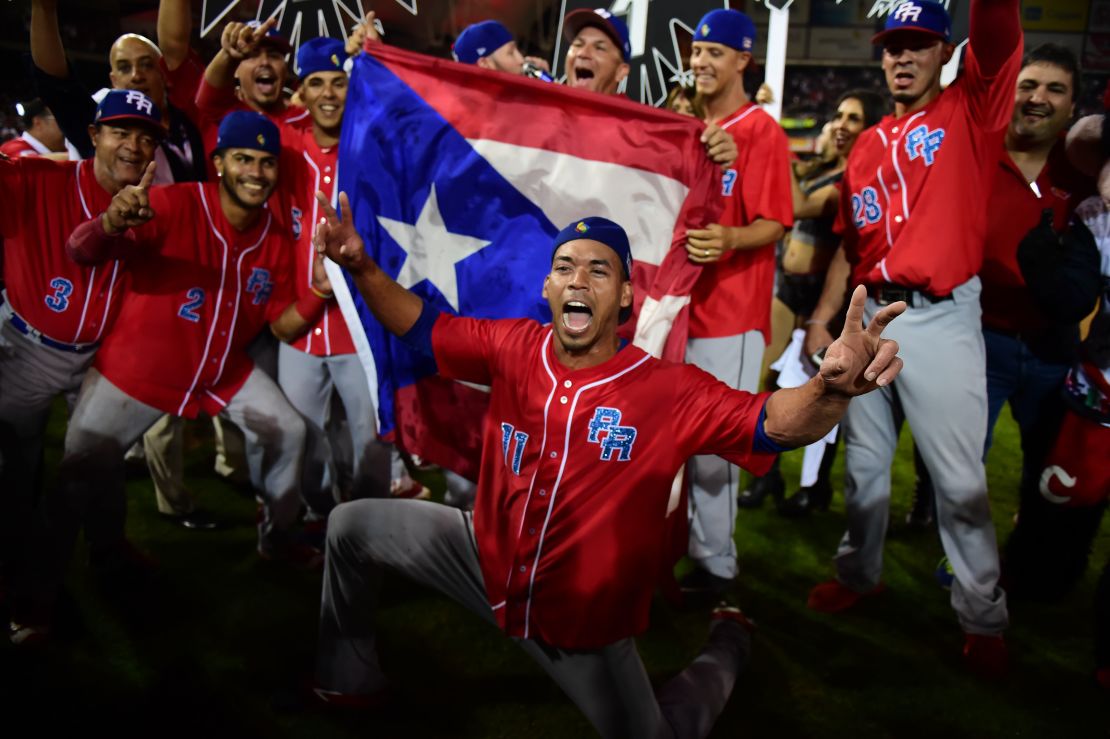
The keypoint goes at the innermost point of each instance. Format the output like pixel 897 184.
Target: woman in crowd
pixel 810 252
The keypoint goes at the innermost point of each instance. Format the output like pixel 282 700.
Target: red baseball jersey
pixel 328 336
pixel 733 296
pixel 200 291
pixel 576 474
pixel 43 202
pixel 1015 207
pixel 913 210
pixel 22 146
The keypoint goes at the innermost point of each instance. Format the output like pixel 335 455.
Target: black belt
pixel 34 334
pixel 888 293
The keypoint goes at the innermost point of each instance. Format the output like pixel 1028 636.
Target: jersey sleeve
pixel 285 291
pixel 765 188
pixel 12 186
pixel 715 419
pixel 183 84
pixel 993 61
pixel 213 103
pixel 477 350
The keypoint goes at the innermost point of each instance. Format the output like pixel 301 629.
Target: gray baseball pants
pixel 942 393
pixel 735 361
pixel 434 545
pixel 308 382
pixel 107 421
pixel 31 376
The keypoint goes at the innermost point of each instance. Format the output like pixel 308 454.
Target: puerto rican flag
pixel 459 178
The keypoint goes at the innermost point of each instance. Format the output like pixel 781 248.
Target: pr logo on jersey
pixel 297 214
pixel 508 436
pixel 605 429
pixel 921 142
pixel 728 181
pixel 260 285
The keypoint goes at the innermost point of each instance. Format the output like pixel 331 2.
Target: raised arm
pixel 47 51
pixel 237 42
pixel 995 32
pixel 175 23
pixel 396 308
pixel 856 363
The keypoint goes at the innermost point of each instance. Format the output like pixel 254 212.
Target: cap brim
pixel 576 20
pixel 277 43
pixel 157 128
pixel 878 37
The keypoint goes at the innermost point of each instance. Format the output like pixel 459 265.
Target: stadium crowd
pixel 165 255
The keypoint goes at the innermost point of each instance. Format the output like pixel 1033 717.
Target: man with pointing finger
pixel 209 268
pixel 54 313
pixel 584 438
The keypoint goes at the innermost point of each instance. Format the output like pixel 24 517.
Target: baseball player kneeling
pixel 584 439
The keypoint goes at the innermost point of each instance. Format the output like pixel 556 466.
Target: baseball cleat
pixel 726 612
pixel 832 596
pixel 986 655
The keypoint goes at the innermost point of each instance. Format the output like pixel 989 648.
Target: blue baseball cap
pixel 324 54
pixel 600 18
pixel 245 129
pixel 922 16
pixel 729 27
pixel 600 229
pixel 273 37
pixel 479 40
pixel 128 105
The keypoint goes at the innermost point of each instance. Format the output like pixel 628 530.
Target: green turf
pixel 206 648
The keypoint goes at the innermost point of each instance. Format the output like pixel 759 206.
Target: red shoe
pixel 1102 677
pixel 832 596
pixel 725 612
pixel 985 655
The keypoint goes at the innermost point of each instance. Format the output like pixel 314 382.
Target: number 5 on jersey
pixel 189 309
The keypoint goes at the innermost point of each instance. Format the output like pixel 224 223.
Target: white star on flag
pixel 431 250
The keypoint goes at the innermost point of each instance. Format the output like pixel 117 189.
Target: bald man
pixel 136 64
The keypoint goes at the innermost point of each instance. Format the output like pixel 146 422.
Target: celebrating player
pixel 323 360
pixel 730 305
pixel 913 222
pixel 54 312
pixel 583 442
pixel 209 269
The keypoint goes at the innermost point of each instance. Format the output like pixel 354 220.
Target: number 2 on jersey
pixel 865 207
pixel 188 310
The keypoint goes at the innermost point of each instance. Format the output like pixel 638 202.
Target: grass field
pixel 204 650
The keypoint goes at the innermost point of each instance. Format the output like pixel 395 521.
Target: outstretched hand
pixel 240 40
pixel 130 206
pixel 861 360
pixel 338 240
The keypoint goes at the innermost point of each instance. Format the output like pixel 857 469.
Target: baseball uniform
pixel 323 360
pixel 730 317
pixel 913 222
pixel 53 313
pixel 566 541
pixel 200 291
pixel 24 145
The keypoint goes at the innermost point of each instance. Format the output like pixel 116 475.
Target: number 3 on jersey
pixel 58 301
pixel 188 309
pixel 865 207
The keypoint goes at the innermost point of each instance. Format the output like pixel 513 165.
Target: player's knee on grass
pixel 349 525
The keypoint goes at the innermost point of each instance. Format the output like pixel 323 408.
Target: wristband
pixel 311 306
pixel 320 293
